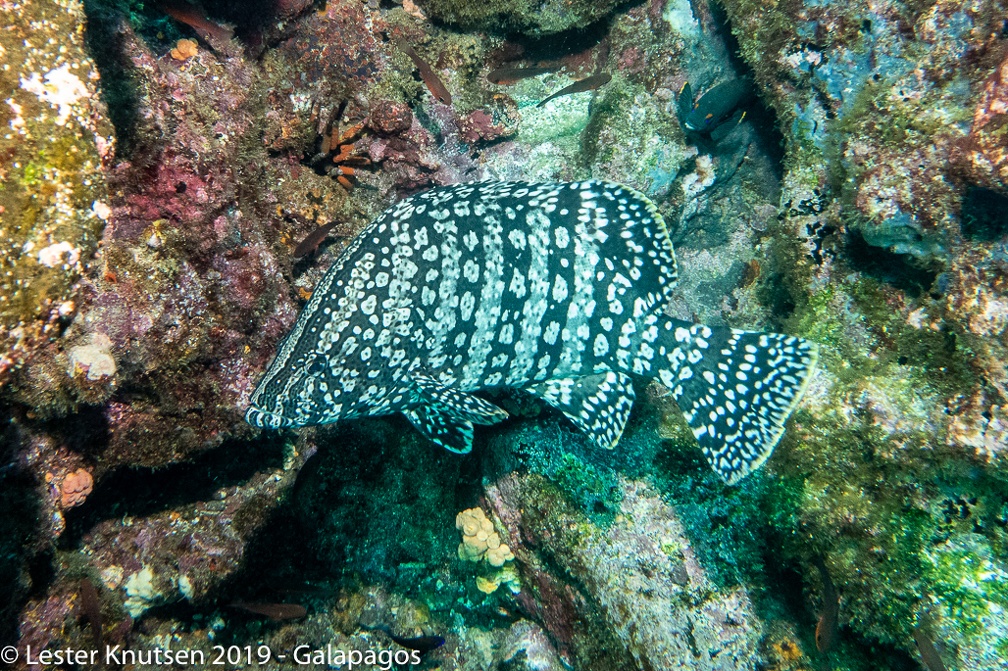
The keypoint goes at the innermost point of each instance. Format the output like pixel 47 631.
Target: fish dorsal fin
pixel 598 404
pixel 447 415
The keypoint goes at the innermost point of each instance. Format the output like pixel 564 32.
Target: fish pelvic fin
pixel 446 415
pixel 451 433
pixel 736 390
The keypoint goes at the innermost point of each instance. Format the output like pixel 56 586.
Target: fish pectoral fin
pixel 725 127
pixel 451 433
pixel 458 404
pixel 598 404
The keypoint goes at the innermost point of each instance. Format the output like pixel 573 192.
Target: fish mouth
pixel 264 419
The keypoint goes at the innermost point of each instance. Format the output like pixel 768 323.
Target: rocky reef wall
pixel 158 170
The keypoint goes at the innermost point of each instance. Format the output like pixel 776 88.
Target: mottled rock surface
pixel 635 584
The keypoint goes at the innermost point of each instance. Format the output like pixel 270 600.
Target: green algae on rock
pixel 635 588
pixel 875 258
pixel 887 467
pixel 52 192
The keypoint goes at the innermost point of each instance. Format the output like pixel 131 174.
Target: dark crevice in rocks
pixel 569 42
pixel 901 271
pixel 140 492
pixel 104 39
pixel 22 571
pixel 984 215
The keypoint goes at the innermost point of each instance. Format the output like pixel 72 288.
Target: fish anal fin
pixel 597 404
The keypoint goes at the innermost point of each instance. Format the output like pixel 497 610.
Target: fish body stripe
pixel 488 308
pixel 553 288
pixel 538 280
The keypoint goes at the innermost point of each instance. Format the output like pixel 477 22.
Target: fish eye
pixel 317 367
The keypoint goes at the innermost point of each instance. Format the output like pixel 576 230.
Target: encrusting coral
pixel 75 488
pixel 184 50
pixel 508 575
pixel 479 540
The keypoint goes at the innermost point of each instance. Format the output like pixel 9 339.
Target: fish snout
pixel 264 419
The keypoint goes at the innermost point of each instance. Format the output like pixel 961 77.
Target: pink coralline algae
pixel 986 157
pixel 185 274
pixel 405 157
pixel 338 45
pixel 479 126
pixel 388 117
pixel 38 614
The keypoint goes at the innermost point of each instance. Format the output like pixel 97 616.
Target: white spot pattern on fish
pixel 553 288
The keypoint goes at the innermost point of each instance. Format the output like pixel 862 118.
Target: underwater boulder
pixel 631 594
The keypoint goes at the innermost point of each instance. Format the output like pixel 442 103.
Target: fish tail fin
pixel 736 390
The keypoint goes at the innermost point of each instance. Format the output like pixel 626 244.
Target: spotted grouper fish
pixel 557 289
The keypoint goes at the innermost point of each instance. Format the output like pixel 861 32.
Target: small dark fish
pixel 826 628
pixel 196 18
pixel 430 78
pixel 274 611
pixel 422 644
pixel 313 240
pixel 586 84
pixel 91 610
pixel 509 75
pixel 712 108
pixel 929 655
